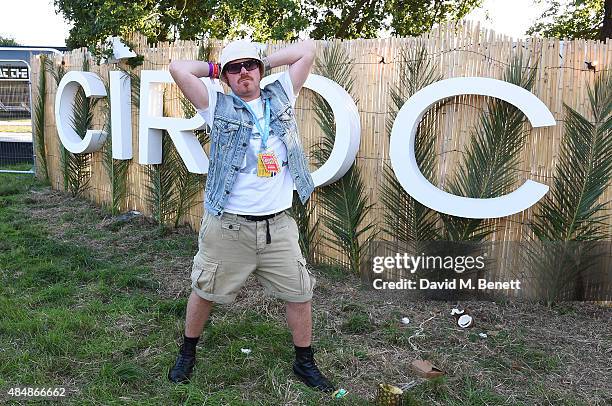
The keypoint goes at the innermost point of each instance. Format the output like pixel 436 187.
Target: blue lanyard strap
pixel 265 132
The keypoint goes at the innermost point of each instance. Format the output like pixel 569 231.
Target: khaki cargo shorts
pixel 232 247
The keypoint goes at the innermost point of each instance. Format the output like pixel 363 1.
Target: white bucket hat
pixel 240 49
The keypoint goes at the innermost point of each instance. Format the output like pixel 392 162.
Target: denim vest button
pixel 227 192
pixel 244 144
pixel 230 226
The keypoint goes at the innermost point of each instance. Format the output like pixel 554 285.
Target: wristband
pixel 266 65
pixel 213 70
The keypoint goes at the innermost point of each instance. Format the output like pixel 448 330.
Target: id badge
pixel 267 164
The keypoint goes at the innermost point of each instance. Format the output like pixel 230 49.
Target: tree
pixel 366 18
pixel 7 41
pixel 167 20
pixel 588 19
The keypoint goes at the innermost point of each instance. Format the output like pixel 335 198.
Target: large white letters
pixel 64 101
pixel 152 122
pixel 121 115
pixel 401 149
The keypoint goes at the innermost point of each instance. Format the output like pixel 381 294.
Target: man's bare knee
pixel 200 300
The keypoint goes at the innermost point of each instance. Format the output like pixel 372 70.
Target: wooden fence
pixel 456 51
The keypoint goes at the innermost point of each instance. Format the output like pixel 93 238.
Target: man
pixel 256 158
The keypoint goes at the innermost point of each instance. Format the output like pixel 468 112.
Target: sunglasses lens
pixel 234 68
pixel 251 65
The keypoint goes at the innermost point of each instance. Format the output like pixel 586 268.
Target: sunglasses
pixel 234 68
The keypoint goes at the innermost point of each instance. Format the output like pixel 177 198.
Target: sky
pixel 34 22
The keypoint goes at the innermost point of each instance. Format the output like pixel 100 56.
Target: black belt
pixel 262 218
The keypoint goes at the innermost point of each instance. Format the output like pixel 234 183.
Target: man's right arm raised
pixel 186 75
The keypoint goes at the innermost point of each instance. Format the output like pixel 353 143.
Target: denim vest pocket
pixel 227 134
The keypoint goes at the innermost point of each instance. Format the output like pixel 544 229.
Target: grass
pixel 97 306
pixel 25 128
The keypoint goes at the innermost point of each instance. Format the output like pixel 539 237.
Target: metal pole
pixel 32 121
pixel 33 170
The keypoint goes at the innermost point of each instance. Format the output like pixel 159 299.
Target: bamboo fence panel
pixel 456 50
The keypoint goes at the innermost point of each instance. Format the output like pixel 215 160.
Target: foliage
pixel 38 122
pixel 188 185
pixel 77 167
pixel 165 20
pixel 308 228
pixel 172 188
pixel 572 210
pixel 404 218
pixel 57 73
pixel 365 19
pixel 8 41
pixel 571 20
pixel 160 194
pixel 116 169
pixel 345 201
pixel 489 166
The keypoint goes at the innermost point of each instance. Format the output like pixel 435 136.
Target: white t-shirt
pixel 252 194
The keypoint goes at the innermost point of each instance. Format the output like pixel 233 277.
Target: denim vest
pixel 231 131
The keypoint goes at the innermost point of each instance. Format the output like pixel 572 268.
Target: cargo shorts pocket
pixel 203 274
pixel 230 230
pixel 307 280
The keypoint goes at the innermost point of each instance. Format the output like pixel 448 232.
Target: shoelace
pixel 310 365
pixel 183 361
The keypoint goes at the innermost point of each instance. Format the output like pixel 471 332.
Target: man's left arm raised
pixel 300 57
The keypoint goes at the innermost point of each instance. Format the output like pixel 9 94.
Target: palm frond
pixel 309 237
pixel 489 166
pixel 404 218
pixel 188 185
pixel 56 72
pixel 345 217
pixel 79 165
pixel 38 124
pixel 558 270
pixel 161 196
pixel 134 86
pixel 572 210
pixel 345 201
pixel 335 64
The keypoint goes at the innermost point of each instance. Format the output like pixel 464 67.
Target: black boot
pixel 306 369
pixel 182 369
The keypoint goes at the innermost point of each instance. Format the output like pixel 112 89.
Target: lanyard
pixel 265 132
